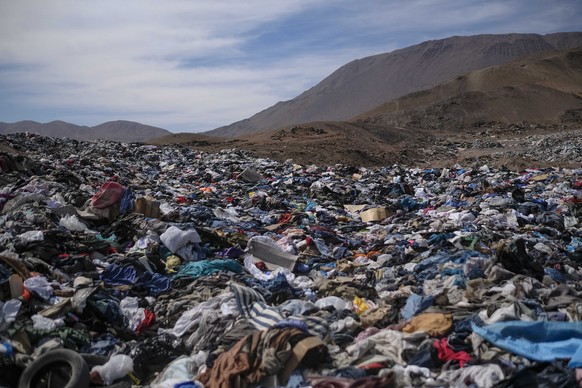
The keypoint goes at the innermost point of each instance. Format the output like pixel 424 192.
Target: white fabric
pixel 193 316
pixel 482 376
pixel 174 238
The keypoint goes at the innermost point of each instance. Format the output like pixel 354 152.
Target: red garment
pixel 110 193
pixel 261 265
pixel 285 218
pixel 149 319
pixel 445 353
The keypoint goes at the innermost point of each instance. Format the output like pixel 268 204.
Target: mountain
pixel 527 112
pixel 366 83
pixel 128 131
pixel 544 89
pixel 122 131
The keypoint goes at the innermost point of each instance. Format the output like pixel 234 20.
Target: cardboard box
pixel 148 206
pixel 374 215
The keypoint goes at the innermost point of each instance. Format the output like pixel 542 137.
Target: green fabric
pixel 197 269
pixel 72 338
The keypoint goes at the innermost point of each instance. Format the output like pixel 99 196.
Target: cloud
pixel 192 66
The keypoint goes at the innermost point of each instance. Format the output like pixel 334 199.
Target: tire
pixel 62 368
pixel 94 359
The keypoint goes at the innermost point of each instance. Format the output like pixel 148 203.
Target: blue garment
pixel 155 283
pixel 301 268
pixel 127 201
pixel 415 304
pixel 556 275
pixel 291 323
pixel 296 380
pixel 187 384
pixel 439 237
pixel 232 252
pixel 350 372
pixel 543 341
pixel 322 247
pixel 408 203
pixel 5 273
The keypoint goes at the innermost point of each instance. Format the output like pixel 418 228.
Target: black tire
pixel 94 359
pixel 65 366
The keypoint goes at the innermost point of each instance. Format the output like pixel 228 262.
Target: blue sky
pixel 192 65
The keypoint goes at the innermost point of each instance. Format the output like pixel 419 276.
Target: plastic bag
pixel 172 262
pixel 40 286
pixel 114 369
pixel 43 323
pixel 72 223
pixel 31 236
pixel 9 312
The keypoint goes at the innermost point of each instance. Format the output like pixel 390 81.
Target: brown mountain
pixel 122 131
pixel 127 131
pixel 505 112
pixel 545 89
pixel 365 83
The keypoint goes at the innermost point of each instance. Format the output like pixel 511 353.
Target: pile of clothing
pixel 169 267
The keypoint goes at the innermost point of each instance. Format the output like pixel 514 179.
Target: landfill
pixel 161 266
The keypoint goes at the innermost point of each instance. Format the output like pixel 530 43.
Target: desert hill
pixel 366 83
pixel 120 130
pixel 500 110
pixel 542 89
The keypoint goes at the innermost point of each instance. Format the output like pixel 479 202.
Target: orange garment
pixel 434 324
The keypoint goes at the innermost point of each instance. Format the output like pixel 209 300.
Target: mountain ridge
pixel 365 83
pixel 487 116
pixel 118 130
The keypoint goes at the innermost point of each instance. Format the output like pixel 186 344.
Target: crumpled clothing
pixel 543 341
pixel 252 305
pixel 154 282
pixel 445 353
pixel 127 201
pixel 434 324
pixel 109 194
pixel 389 344
pixel 366 382
pixel 198 269
pixel 192 317
pixel 541 375
pixel 174 238
pixel 409 376
pixel 414 304
pixel 257 355
pixel 482 376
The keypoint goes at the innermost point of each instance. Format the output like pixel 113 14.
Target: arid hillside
pixel 525 112
pixel 366 83
pixel 120 130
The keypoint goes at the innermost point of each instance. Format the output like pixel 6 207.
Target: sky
pixel 193 65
